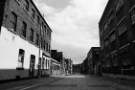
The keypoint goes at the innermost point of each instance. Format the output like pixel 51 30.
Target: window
pixel 13 21
pixel 24 27
pixel 27 5
pixel 32 35
pixel 20 59
pixel 47 47
pixel 38 19
pixel 43 63
pixel 44 31
pixel 33 13
pixel 37 39
pixel 120 3
pixel 120 9
pixel 132 13
pixel 123 39
pixel 32 65
pixel 32 61
pixel 44 45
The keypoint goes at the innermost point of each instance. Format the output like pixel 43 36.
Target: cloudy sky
pixel 74 24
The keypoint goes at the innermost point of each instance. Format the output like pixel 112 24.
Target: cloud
pixel 75 27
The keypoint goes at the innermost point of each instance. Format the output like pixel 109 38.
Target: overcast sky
pixel 74 24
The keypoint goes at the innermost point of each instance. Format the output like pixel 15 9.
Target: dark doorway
pixel 32 66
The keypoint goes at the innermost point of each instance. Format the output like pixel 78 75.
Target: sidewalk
pixel 122 81
pixel 18 84
pixel 120 76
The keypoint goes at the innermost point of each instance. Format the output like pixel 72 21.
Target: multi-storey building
pixel 57 55
pixel 25 39
pixel 117 37
pixel 76 68
pixel 85 66
pixel 94 60
pixel 68 66
pixel 92 63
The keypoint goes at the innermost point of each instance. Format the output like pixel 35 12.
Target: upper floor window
pixel 13 21
pixel 31 35
pixel 105 26
pixel 24 4
pixel 27 5
pixel 132 13
pixel 33 13
pixel 38 19
pixel 44 45
pixel 37 39
pixel 120 3
pixel 24 27
pixel 112 37
pixel 44 31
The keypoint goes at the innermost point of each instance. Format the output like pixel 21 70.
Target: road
pixel 73 82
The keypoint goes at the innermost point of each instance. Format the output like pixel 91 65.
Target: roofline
pixel 40 14
pixel 106 7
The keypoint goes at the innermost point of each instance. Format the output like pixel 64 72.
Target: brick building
pixel 94 60
pixel 57 55
pixel 68 66
pixel 25 37
pixel 117 37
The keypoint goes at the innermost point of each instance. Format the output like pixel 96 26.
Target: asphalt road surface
pixel 72 82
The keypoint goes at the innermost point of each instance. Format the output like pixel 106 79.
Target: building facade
pixel 57 55
pixel 92 63
pixel 55 67
pixel 94 60
pixel 25 39
pixel 117 37
pixel 68 66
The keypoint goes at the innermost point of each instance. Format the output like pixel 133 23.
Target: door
pixel 32 66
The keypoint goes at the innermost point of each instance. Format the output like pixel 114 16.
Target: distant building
pixel 55 67
pixel 117 37
pixel 92 62
pixel 93 58
pixel 57 55
pixel 76 68
pixel 85 66
pixel 68 66
pixel 25 39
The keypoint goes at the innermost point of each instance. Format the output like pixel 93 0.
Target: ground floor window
pixel 21 59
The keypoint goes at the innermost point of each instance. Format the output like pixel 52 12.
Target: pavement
pixel 70 82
